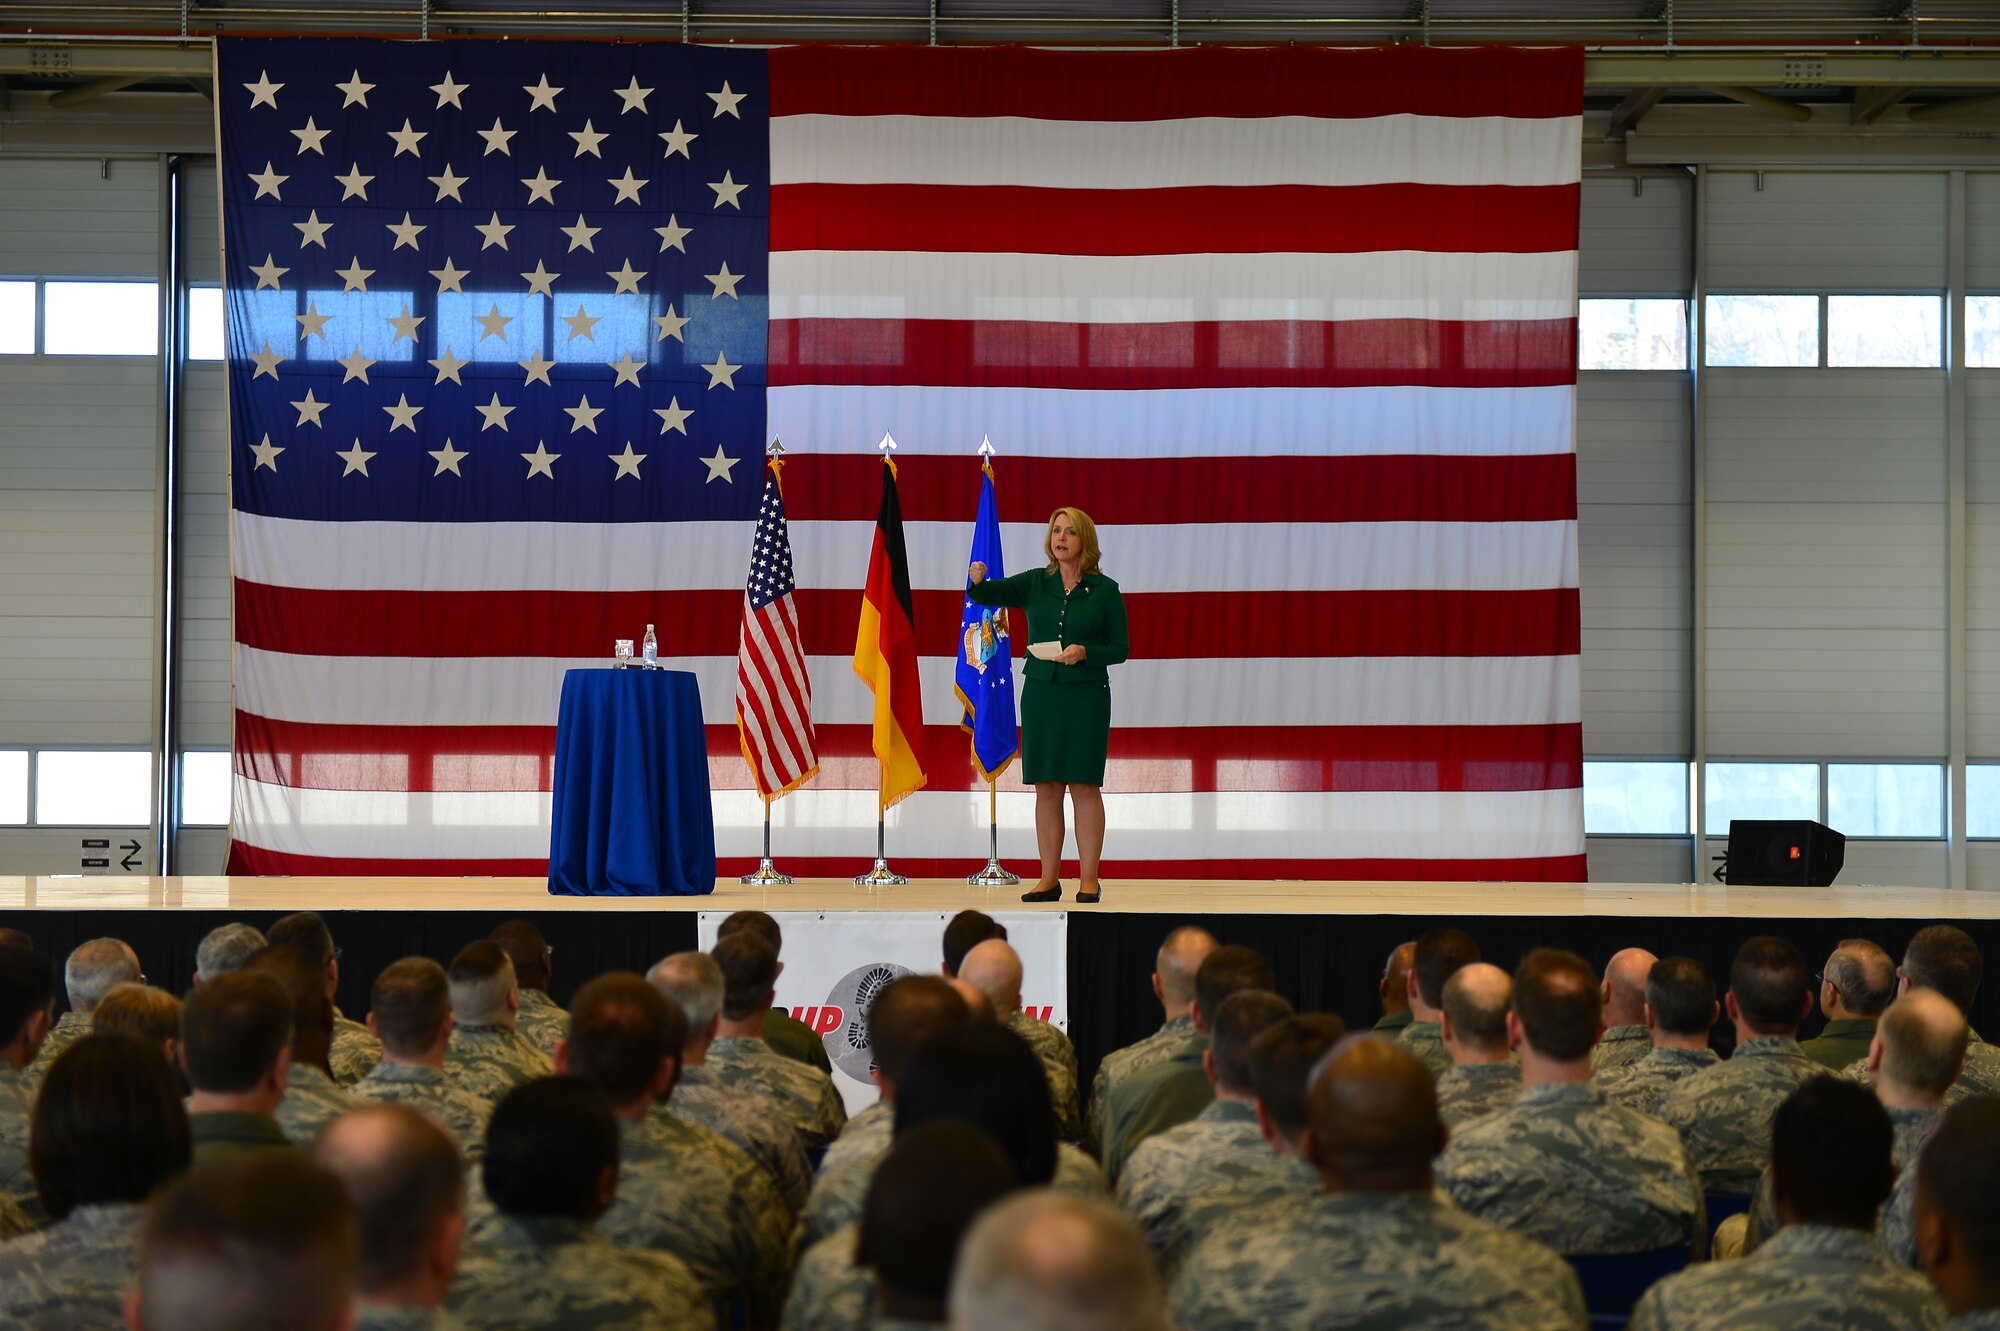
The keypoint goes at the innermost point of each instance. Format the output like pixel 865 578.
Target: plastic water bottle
pixel 650 648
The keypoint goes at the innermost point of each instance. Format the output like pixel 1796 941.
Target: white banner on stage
pixel 836 963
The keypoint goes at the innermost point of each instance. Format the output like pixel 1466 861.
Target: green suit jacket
pixel 1093 615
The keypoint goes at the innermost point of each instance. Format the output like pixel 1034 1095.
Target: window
pixel 1885 799
pixel 1632 335
pixel 204 326
pixel 1982 332
pixel 17 318
pixel 1898 331
pixel 13 786
pixel 206 778
pixel 493 325
pixel 93 788
pixel 1635 799
pixel 101 318
pixel 1762 330
pixel 1982 800
pixel 1758 790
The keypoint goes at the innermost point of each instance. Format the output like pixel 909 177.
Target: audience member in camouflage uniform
pixel 1046 1260
pixel 742 1060
pixel 1560 1165
pixel 487 1056
pixel 1394 988
pixel 1858 983
pixel 1946 959
pixel 311 1099
pixel 27 1007
pixel 353 1050
pixel 552 1170
pixel 932 1185
pixel 1378 1248
pixel 1174 1090
pixel 905 1014
pixel 226 949
pixel 1223 1149
pixel 410 1013
pixel 994 968
pixel 406 1181
pixel 1439 955
pixel 109 1131
pixel 236 1048
pixel 693 982
pixel 1174 968
pixel 1724 1113
pixel 682 1189
pixel 1626 1040
pixel 92 971
pixel 1825 1269
pixel 1483 1075
pixel 541 1022
pixel 1958 1176
pixel 782 1031
pixel 1680 1011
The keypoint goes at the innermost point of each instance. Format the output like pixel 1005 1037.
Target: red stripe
pixel 308 622
pixel 1251 758
pixel 1322 219
pixel 254 860
pixel 1263 353
pixel 1158 85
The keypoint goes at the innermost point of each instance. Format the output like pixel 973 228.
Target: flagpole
pixel 766 873
pixel 994 874
pixel 880 874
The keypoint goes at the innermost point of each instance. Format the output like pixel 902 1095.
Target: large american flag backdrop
pixel 510 324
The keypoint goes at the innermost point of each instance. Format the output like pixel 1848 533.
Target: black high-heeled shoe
pixel 1051 893
pixel 1084 898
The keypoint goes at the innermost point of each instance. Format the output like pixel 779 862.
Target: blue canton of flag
pixel 495 282
pixel 986 652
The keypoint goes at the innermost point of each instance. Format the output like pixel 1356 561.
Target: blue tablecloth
pixel 631 815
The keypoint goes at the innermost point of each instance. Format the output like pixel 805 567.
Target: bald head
pixel 1174 968
pixel 994 969
pixel 406 1180
pixel 1048 1261
pixel 1921 1039
pixel 1476 1000
pixel 1859 980
pixel 977 1008
pixel 1625 986
pixel 1396 979
pixel 1372 1121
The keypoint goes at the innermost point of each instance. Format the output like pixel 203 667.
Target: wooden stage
pixel 1676 901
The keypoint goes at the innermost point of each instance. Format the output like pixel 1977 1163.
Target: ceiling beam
pixel 1629 112
pixel 1957 106
pixel 96 88
pixel 1764 101
pixel 1870 104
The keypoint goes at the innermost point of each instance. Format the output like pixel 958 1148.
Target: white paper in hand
pixel 1045 651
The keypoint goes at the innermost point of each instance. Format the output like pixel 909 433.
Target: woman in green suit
pixel 1066 699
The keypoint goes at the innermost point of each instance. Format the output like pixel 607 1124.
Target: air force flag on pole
pixel 986 653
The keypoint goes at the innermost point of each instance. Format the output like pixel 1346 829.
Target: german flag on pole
pixel 885 647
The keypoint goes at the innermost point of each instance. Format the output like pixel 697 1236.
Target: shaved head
pixel 1625 986
pixel 1396 978
pixel 994 969
pixel 1372 1118
pixel 1476 1000
pixel 1923 1037
pixel 1046 1261
pixel 1179 958
pixel 977 1006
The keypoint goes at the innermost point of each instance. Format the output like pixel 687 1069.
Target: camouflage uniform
pixel 541 1023
pixel 684 1190
pixel 1391 1023
pixel 73 1275
pixel 813 1107
pixel 1473 1090
pixel 754 1125
pixel 1058 1057
pixel 69 1028
pixel 1372 1261
pixel 354 1050
pixel 1119 1064
pixel 17 1104
pixel 1807 1276
pixel 1563 1167
pixel 869 1133
pixel 406 1319
pixel 14 1222
pixel 421 1086
pixel 1425 1039
pixel 539 1273
pixel 1913 1127
pixel 1724 1113
pixel 1981 1075
pixel 1982 1319
pixel 311 1102
pixel 1620 1047
pixel 490 1061
pixel 1642 1085
pixel 1171 1092
pixel 1221 1152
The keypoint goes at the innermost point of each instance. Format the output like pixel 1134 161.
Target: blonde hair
pixel 140 1009
pixel 1086 534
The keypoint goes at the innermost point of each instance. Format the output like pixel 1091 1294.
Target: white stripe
pixel 813 822
pixel 1170 288
pixel 1178 423
pixel 1093 154
pixel 1205 691
pixel 762 678
pixel 586 557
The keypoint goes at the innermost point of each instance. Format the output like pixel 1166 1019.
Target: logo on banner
pixel 843 1021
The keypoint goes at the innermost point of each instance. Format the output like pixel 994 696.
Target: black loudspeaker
pixel 1783 853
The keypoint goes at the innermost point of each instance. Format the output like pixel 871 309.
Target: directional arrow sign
pixel 132 846
pixel 129 863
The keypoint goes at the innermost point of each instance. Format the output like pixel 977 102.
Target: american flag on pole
pixel 773 692
pixel 1296 327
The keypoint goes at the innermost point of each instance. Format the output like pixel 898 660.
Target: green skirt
pixel 1065 730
